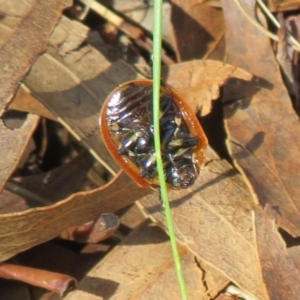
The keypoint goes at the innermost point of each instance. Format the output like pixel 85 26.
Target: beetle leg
pixel 194 159
pixel 178 122
pixel 181 152
pixel 165 104
pixel 170 126
pixel 127 142
pixel 114 127
pixel 147 164
pixel 131 154
pixel 167 135
pixel 184 142
pixel 144 143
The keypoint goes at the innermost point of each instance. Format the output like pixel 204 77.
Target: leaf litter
pixel 227 223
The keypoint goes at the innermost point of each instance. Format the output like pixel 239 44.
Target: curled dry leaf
pixel 199 81
pixel 263 131
pixel 58 283
pixel 20 231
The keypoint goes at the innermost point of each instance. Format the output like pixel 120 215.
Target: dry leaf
pixel 26 43
pixel 12 145
pixel 10 202
pixel 60 182
pixel 199 81
pixel 133 217
pixel 74 85
pixel 145 271
pixel 283 5
pixel 24 101
pixel 197 23
pixel 213 219
pixel 280 273
pixel 263 132
pixel 20 231
pixel 227 297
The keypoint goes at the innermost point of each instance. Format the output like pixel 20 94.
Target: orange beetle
pixel 127 130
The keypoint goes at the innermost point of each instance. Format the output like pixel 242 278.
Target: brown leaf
pixel 213 219
pixel 24 101
pixel 280 274
pixel 73 85
pixel 283 5
pixel 58 183
pixel 293 252
pixel 10 202
pixel 83 294
pixel 195 23
pixel 133 217
pixel 25 44
pixel 12 146
pixel 263 131
pixel 20 231
pixel 201 81
pixel 146 271
pixel 227 297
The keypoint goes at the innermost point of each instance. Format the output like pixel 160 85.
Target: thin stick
pixel 56 282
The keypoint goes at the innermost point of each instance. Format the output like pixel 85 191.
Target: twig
pixel 55 282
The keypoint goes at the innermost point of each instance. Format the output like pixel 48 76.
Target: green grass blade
pixel 157 44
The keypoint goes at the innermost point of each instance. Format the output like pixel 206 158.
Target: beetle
pixel 126 123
